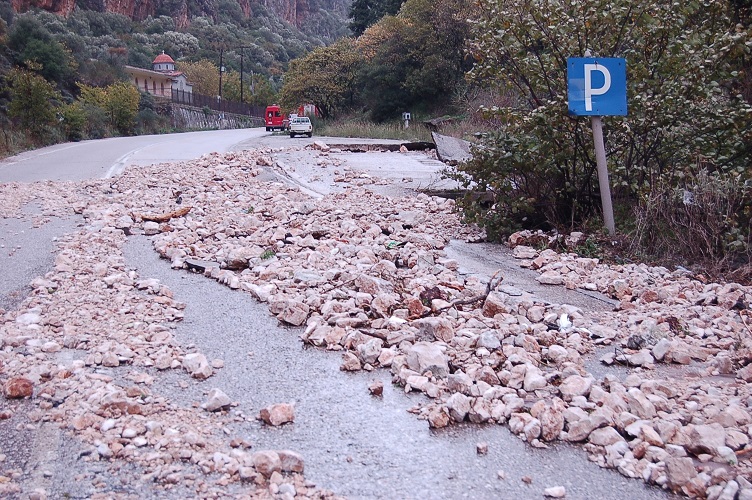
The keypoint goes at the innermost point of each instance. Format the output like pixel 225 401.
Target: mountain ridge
pixel 294 12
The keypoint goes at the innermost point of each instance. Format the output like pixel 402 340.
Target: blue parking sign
pixel 597 86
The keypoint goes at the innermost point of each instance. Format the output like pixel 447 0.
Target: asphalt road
pixel 76 161
pixel 354 444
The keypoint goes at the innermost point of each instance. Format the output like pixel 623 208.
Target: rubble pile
pixel 367 276
pixel 118 327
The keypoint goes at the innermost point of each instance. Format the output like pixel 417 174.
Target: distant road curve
pixel 75 161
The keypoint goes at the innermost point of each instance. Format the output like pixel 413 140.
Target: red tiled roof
pixel 163 58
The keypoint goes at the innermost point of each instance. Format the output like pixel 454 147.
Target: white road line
pixel 33 155
pixel 119 165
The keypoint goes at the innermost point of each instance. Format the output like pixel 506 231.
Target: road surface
pixel 354 444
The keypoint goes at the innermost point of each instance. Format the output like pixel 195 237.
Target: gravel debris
pixel 367 275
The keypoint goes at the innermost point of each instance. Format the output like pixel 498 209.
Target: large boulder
pixel 679 471
pixel 433 328
pixel 425 356
pixel 18 388
pixel 705 438
pixel 278 414
pixel 451 150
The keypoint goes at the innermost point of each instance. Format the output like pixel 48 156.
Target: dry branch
pixel 492 285
pixel 165 216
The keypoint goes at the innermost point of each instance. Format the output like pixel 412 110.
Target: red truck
pixel 275 119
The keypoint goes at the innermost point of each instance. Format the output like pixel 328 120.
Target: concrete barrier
pixel 191 118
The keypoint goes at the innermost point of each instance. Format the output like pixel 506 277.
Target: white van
pixel 300 125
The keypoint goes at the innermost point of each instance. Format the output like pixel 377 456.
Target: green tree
pixel 415 59
pixel 32 103
pixel 685 110
pixel 122 106
pixel 73 121
pixel 119 101
pixel 29 40
pixel 325 77
pixel 260 90
pixel 365 13
pixel 203 74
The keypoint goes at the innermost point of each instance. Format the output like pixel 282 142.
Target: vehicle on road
pixel 275 119
pixel 301 125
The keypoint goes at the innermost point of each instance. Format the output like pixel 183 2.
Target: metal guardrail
pixel 220 105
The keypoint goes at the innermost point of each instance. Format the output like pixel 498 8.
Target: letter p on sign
pixel 589 90
pixel 597 86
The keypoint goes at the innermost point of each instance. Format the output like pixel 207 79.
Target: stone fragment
pixel 373 285
pixel 266 462
pixel 550 278
pixel 294 312
pixel 555 492
pixel 426 356
pixel 461 382
pixel 151 228
pixel 369 351
pixel 197 365
pixel 574 386
pixel 705 438
pixel 217 400
pixel 278 414
pixel 489 340
pixel 51 346
pixel 438 417
pixel 110 359
pixel 376 388
pixel 660 349
pixel 552 421
pixel 639 404
pixel 641 358
pixel 433 328
pixel 534 379
pixel 679 471
pixel 581 429
pixel 494 304
pixel 605 436
pixel 745 373
pixel 350 362
pixel 524 252
pixel 18 388
pixel 459 406
pixel 481 448
pixel 290 461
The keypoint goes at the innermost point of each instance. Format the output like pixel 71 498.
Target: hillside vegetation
pixel 46 59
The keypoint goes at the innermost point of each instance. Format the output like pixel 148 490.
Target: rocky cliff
pixel 292 11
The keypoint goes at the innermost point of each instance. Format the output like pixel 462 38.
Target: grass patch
pixel 361 128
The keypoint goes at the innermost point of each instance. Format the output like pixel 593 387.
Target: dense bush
pixel 713 214
pixel 32 104
pixel 685 110
pixel 409 62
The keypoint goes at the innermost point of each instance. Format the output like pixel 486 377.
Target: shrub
pixel 32 101
pixel 73 122
pixel 711 210
pixel 149 122
pixel 97 122
pixel 541 171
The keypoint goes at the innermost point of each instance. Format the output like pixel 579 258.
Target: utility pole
pixel 242 47
pixel 221 68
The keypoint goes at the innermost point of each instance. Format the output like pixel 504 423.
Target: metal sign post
pixel 603 184
pixel 598 87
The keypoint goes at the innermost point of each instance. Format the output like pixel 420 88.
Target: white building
pixel 161 79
